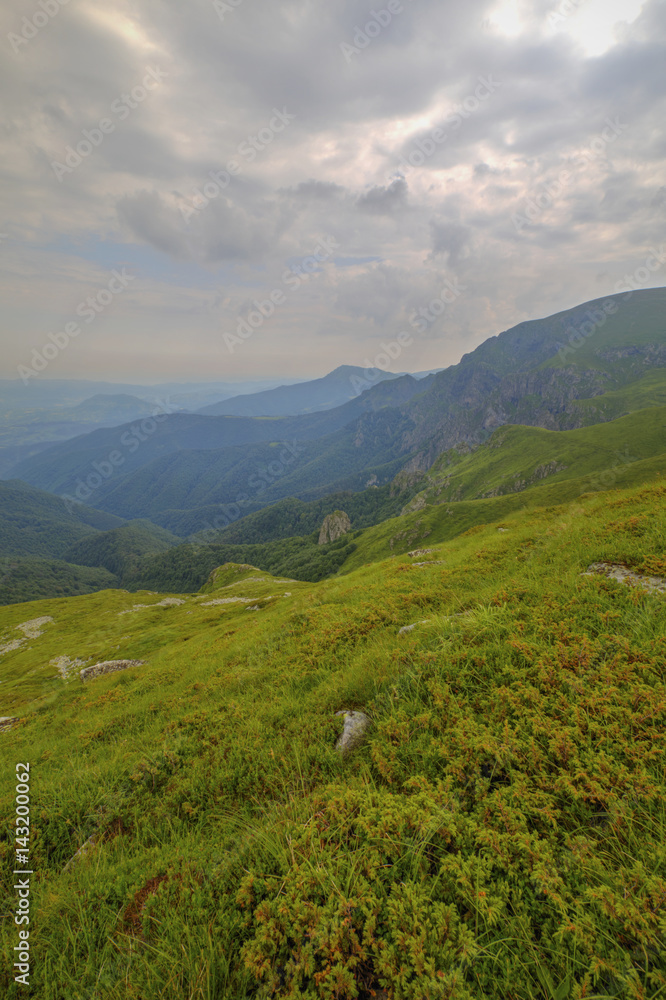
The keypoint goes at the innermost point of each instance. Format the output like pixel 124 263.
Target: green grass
pixel 517 457
pixel 500 834
pixel 646 392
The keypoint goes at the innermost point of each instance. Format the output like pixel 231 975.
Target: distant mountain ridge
pixel 543 373
pixel 62 468
pixel 338 387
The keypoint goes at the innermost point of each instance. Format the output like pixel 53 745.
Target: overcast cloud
pixel 515 151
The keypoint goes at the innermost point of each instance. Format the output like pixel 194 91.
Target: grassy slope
pixel 646 392
pixel 516 456
pixel 638 321
pixel 434 524
pixel 501 834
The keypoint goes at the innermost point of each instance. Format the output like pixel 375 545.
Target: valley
pixel 181 646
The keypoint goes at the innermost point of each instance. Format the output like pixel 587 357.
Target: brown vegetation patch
pixel 133 913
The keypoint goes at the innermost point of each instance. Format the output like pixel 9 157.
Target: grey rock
pixel 335 525
pixel 353 734
pixel 408 628
pixel 621 573
pixel 7 721
pixel 419 552
pixel 108 667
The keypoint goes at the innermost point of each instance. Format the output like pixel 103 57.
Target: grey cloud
pixel 314 189
pixel 384 200
pixel 151 221
pixel 333 169
pixel 219 231
pixel 450 239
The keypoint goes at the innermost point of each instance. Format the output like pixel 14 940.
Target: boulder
pixel 108 667
pixel 335 525
pixel 353 734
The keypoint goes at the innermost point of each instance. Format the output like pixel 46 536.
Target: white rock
pixel 353 734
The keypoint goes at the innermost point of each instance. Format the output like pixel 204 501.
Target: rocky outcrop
pixel 108 667
pixel 31 630
pixel 622 573
pixel 335 525
pixel 518 485
pixel 354 732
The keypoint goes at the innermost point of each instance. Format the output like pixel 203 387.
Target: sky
pixel 258 188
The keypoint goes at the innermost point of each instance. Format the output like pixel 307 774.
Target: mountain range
pixel 262 479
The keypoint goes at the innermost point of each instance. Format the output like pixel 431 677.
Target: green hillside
pixel 499 834
pixel 186 567
pixel 648 391
pixel 517 457
pixel 520 463
pixel 517 468
pixel 616 341
pixel 432 524
pixel 120 550
pixel 36 523
pixel 31 578
pixel 294 517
